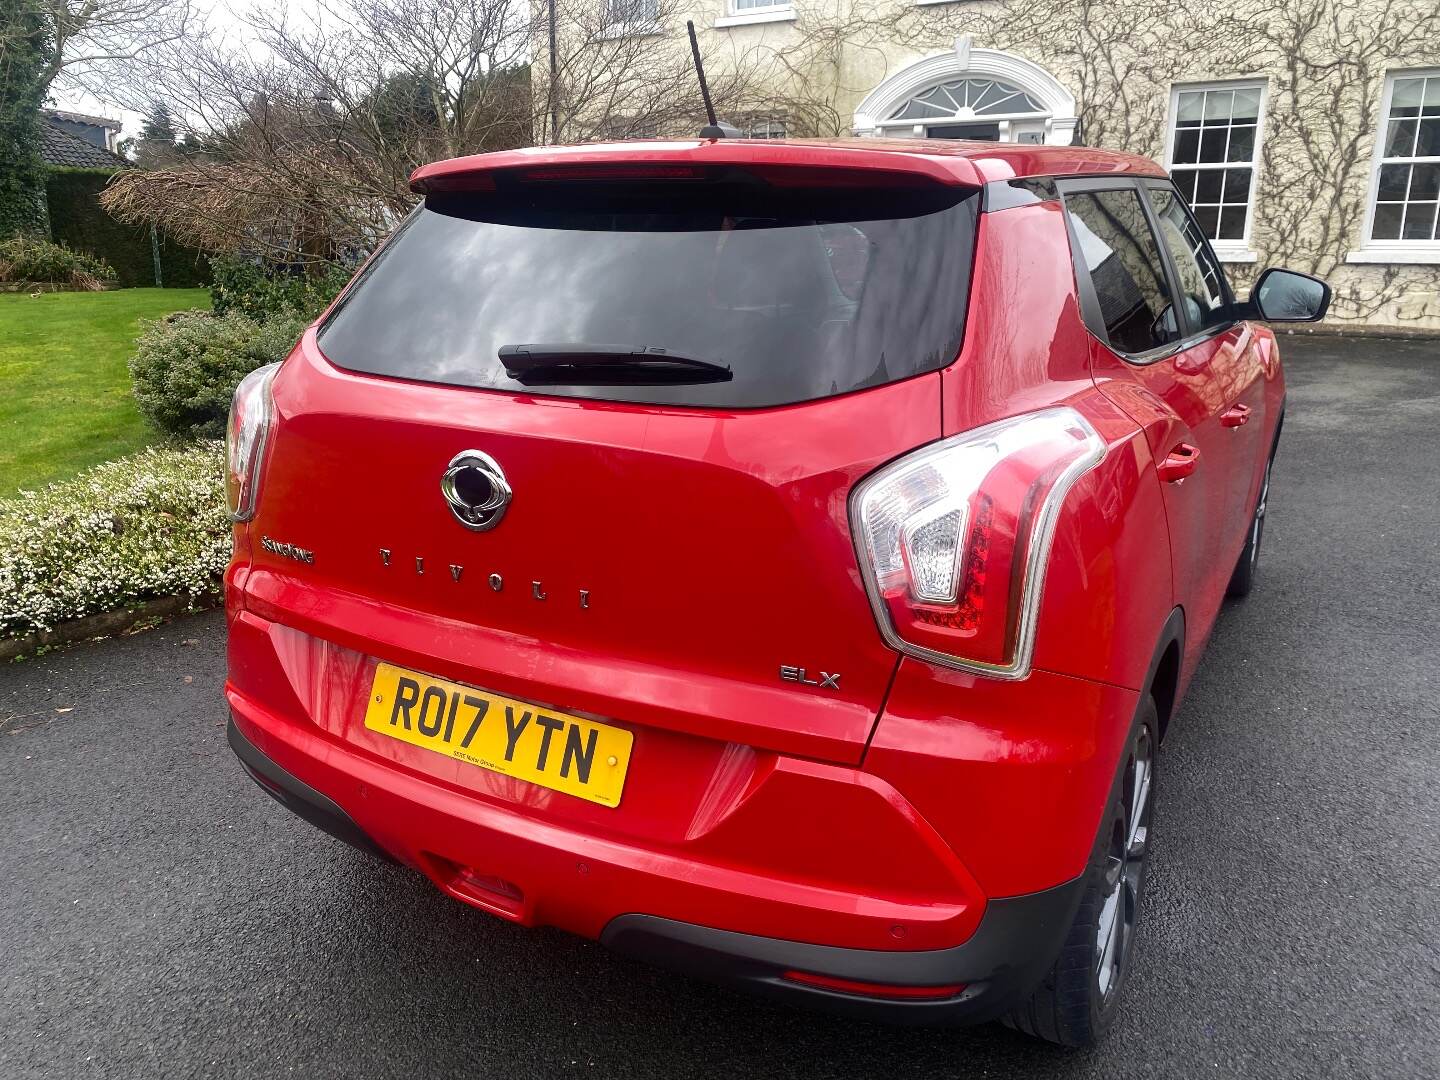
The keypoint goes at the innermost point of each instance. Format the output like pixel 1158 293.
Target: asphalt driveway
pixel 160 917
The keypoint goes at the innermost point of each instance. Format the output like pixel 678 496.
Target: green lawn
pixel 64 387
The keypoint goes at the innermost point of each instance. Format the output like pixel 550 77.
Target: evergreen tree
pixel 158 126
pixel 25 51
pixel 156 146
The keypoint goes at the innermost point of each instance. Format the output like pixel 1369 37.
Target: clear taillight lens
pixel 245 434
pixel 954 539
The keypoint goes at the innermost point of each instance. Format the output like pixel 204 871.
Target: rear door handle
pixel 1235 416
pixel 1179 463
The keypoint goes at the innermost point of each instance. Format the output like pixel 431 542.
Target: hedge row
pixel 78 221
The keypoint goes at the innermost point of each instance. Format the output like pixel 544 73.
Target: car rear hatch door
pixel 675 552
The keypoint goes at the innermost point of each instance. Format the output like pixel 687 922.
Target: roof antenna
pixel 713 129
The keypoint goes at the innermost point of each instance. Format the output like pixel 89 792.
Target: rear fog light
pixel 876 990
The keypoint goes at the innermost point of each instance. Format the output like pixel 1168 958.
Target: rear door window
pixel 801 292
pixel 1118 249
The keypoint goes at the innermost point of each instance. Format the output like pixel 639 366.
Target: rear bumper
pixel 299 797
pixel 708 832
pixel 737 864
pixel 518 858
pixel 1008 953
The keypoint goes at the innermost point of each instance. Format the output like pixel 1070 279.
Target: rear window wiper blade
pixel 574 362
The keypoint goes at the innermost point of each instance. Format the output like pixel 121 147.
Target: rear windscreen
pixel 800 293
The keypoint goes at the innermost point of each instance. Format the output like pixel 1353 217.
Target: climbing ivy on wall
pixel 1324 61
pixel 25 49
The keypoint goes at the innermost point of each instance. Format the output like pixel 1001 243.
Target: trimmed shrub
pixel 187 365
pixel 150 525
pixel 244 285
pixel 30 259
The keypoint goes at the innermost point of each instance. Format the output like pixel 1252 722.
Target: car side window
pixel 1201 281
pixel 1118 249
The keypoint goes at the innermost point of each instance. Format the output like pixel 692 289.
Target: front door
pixel 1224 355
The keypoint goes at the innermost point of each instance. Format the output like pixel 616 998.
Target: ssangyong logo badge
pixel 475 487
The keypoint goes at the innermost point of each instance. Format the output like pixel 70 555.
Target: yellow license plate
pixel 515 738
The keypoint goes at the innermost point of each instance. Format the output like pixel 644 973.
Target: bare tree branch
pixel 96 41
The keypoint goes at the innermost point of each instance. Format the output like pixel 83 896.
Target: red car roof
pixel 945 161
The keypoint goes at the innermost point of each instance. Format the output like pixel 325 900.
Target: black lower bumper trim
pixel 299 797
pixel 1016 942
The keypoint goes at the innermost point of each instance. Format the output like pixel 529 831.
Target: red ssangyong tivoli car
pixel 779 561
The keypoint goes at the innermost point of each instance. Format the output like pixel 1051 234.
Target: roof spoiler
pixel 778 160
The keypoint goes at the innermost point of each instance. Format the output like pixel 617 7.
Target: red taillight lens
pixel 872 989
pixel 245 436
pixel 954 538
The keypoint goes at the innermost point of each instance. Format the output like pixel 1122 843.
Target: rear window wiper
pixel 569 363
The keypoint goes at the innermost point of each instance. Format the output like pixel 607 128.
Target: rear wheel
pixel 1243 579
pixel 1080 995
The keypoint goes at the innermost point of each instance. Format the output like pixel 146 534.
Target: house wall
pixel 1323 64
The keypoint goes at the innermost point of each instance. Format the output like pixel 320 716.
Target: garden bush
pixel 30 259
pixel 150 525
pixel 186 366
pixel 244 285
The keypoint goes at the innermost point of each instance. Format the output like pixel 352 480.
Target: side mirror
pixel 1288 296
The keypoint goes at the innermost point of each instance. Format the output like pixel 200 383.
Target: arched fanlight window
pixel 969 97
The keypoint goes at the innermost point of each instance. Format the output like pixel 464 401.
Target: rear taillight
pixel 245 435
pixel 954 538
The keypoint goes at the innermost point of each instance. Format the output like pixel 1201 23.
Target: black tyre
pixel 1243 579
pixel 1079 997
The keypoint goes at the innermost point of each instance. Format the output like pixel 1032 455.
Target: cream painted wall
pixel 1324 77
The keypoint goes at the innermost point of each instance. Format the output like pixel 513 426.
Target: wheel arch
pixel 1162 680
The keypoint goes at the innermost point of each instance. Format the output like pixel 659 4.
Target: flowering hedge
pixel 150 525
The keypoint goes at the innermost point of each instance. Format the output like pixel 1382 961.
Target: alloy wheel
pixel 1125 870
pixel 1257 527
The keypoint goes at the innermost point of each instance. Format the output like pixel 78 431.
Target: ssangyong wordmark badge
pixel 475 487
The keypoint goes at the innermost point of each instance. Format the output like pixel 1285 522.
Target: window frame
pixel 1369 250
pixel 1094 319
pixel 767 121
pixel 616 27
pixel 774 11
pixel 1235 251
pixel 733 8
